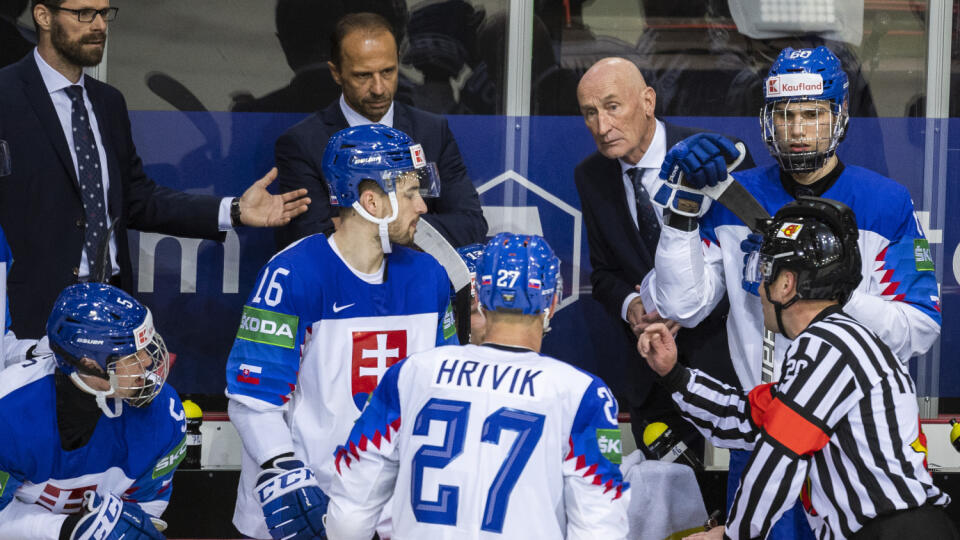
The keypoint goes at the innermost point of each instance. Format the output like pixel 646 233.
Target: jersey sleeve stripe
pixel 378 424
pixel 604 474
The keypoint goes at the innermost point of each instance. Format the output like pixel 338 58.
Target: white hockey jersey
pixel 480 442
pixel 898 298
pixel 314 341
pixel 133 456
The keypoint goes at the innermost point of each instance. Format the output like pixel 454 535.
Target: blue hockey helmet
pixel 377 153
pixel 107 325
pixel 471 255
pixel 518 273
pixel 798 79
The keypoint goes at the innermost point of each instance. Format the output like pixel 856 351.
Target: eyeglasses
pixel 87 15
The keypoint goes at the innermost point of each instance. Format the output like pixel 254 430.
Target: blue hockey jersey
pixel 133 456
pixel 898 298
pixel 483 442
pixel 314 340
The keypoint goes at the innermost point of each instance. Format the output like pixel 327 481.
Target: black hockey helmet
pixel 817 239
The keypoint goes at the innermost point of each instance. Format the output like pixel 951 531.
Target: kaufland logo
pixel 794 84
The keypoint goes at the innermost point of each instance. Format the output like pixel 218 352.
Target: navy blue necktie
pixel 91 185
pixel 647 222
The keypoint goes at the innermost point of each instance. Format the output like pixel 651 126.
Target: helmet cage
pixel 150 367
pixel 108 326
pixel 799 75
pixel 776 113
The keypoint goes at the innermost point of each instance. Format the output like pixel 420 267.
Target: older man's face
pixel 618 112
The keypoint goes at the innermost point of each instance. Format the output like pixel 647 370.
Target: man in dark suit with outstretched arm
pixel 365 65
pixel 623 229
pixel 77 184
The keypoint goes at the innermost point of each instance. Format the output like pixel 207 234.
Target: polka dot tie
pixel 91 182
pixel 647 222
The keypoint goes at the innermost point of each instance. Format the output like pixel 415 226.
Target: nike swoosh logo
pixel 338 309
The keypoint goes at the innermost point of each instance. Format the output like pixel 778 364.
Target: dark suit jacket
pixel 455 213
pixel 620 260
pixel 40 206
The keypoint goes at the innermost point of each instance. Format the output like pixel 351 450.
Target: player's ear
pixel 89 365
pixel 371 201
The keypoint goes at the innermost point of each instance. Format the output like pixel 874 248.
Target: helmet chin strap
pixel 778 307
pixel 382 223
pixel 101 396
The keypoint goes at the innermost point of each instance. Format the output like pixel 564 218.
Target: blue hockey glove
pixel 292 501
pixel 751 277
pixel 110 518
pixel 702 158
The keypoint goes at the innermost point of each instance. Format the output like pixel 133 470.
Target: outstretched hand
pixel 260 208
pixel 657 345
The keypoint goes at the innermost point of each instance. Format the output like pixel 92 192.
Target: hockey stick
pixel 431 241
pixel 745 206
pixel 737 199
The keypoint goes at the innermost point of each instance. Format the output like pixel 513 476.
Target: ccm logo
pixel 282 482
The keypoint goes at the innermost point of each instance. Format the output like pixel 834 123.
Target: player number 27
pixel 455 415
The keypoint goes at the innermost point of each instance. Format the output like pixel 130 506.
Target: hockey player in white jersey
pixel 492 440
pixel 325 320
pixel 91 434
pixel 804 118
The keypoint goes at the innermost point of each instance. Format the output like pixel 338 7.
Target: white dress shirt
pixel 650 163
pixel 356 119
pixel 56 85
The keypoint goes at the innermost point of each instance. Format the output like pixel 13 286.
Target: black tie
pixel 647 222
pixel 91 184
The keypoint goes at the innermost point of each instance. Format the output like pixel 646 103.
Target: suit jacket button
pixel 79 223
pixel 76 270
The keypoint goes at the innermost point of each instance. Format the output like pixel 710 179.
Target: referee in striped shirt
pixel 837 429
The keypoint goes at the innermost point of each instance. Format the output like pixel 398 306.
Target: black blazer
pixel 456 213
pixel 620 260
pixel 40 207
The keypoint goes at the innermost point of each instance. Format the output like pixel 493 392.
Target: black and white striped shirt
pixel 837 427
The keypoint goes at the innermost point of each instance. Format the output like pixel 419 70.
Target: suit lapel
pixel 333 117
pixel 618 195
pixel 39 98
pixel 401 119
